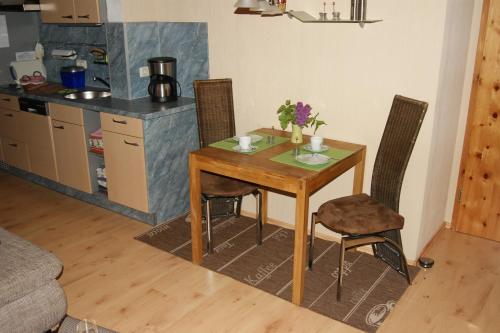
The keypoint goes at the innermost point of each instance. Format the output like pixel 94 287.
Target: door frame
pixel 470 114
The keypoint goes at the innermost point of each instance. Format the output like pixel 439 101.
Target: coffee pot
pixel 163 79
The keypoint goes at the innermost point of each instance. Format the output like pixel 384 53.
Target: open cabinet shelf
pixel 308 18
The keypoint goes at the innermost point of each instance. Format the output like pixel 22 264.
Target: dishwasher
pixel 36 127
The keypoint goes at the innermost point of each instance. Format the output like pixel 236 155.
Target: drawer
pixel 122 125
pixel 68 114
pixel 15 154
pixel 9 102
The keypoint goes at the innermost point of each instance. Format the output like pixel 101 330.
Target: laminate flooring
pixel 129 286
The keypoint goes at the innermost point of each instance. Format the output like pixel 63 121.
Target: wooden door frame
pixel 470 115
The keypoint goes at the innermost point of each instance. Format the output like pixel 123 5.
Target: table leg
pixel 263 208
pixel 195 201
pixel 359 174
pixel 300 248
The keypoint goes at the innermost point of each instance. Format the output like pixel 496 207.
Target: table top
pixel 260 169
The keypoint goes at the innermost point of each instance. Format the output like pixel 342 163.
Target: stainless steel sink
pixel 88 94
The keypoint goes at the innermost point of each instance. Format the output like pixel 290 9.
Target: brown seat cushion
pixel 358 215
pixel 220 186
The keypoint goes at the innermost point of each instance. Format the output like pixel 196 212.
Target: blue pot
pixel 73 77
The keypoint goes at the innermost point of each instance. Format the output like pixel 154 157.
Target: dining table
pixel 274 167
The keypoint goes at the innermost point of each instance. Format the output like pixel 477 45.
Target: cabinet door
pixel 15 154
pixel 87 11
pixel 40 144
pixel 57 11
pixel 9 124
pixel 71 155
pixel 126 170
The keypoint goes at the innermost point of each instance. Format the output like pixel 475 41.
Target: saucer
pixel 238 149
pixel 313 159
pixel 255 138
pixel 309 148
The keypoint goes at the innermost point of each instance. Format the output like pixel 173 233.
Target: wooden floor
pixel 130 287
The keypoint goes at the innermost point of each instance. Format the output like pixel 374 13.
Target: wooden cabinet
pixel 71 11
pixel 40 144
pixel 15 153
pixel 9 124
pixel 67 114
pixel 9 102
pixel 71 155
pixel 2 158
pixel 125 161
pixel 57 11
pixel 126 170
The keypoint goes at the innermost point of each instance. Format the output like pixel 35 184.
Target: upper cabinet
pixel 71 11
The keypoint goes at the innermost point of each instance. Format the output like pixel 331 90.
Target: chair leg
pixel 258 199
pixel 311 241
pixel 210 246
pixel 341 269
pixel 404 265
pixel 238 206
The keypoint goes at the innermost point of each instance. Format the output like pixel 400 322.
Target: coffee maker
pixel 163 79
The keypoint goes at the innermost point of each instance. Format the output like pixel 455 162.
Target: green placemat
pixel 334 153
pixel 229 144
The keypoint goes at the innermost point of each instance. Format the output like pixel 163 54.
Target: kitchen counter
pixel 158 157
pixel 142 108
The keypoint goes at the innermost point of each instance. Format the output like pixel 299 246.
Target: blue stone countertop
pixel 143 108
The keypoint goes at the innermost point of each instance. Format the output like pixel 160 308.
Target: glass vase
pixel 296 134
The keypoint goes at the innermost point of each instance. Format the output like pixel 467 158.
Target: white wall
pixel 453 66
pixel 346 73
pixel 464 108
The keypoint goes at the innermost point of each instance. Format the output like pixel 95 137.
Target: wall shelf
pixel 307 18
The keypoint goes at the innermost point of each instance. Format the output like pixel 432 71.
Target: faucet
pixel 97 78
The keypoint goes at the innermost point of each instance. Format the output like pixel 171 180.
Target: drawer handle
pixel 59 127
pixel 124 122
pixel 67 16
pixel 131 143
pixel 6 99
pixel 84 16
pixel 9 115
pixel 13 145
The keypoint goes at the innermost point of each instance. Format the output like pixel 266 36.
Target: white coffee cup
pixel 245 142
pixel 316 142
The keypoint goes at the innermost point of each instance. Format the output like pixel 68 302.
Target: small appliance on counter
pixel 73 77
pixel 28 68
pixel 163 79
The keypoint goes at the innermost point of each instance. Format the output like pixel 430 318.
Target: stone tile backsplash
pixel 80 39
pixel 129 46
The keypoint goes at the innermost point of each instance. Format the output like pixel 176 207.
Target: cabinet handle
pixel 6 99
pixel 67 16
pixel 59 127
pixel 124 122
pixel 84 16
pixel 13 145
pixel 131 143
pixel 9 115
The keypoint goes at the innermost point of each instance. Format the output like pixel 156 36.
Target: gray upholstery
pixel 31 299
pixel 25 267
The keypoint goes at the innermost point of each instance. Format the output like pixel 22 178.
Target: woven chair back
pixel 214 109
pixel 396 146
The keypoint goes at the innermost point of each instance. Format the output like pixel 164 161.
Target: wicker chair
pixel 215 112
pixel 362 219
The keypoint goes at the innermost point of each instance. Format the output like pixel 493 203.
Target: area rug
pixel 371 288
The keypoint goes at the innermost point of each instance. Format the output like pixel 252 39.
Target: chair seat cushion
pixel 219 186
pixel 358 215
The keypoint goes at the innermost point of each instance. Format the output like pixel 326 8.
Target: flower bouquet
pixel 299 115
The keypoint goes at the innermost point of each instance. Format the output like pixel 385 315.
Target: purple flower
pixel 302 113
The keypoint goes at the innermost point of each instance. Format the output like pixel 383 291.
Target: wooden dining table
pixel 269 175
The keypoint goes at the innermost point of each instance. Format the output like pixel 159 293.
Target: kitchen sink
pixel 88 94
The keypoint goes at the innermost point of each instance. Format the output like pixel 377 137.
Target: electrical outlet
pixel 144 71
pixel 81 63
